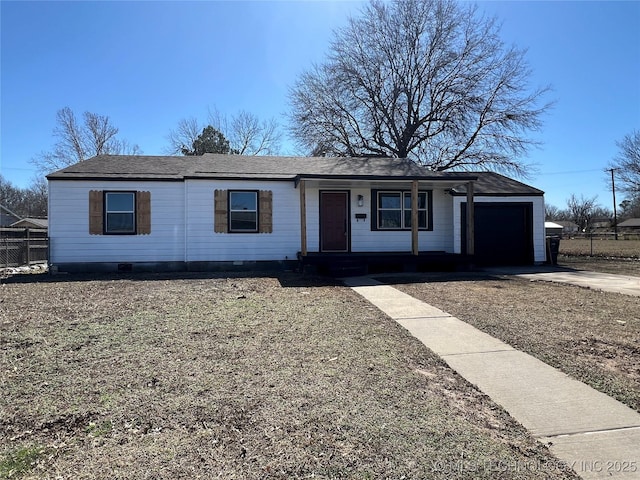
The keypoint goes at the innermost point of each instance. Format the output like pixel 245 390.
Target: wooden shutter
pixel 220 207
pixel 96 212
pixel 143 213
pixel 266 212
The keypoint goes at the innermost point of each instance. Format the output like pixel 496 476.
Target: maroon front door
pixel 334 221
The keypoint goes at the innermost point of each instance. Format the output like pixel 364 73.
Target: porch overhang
pixel 412 183
pixel 379 181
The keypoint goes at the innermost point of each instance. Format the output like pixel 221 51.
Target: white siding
pixel 176 204
pixel 71 242
pixel 538 221
pixel 204 245
pixel 363 239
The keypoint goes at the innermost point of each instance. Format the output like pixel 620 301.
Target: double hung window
pixel 243 211
pixel 392 210
pixel 120 213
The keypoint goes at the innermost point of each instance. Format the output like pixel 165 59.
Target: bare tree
pixel 246 133
pixel 11 196
pixel 582 210
pixel 250 136
pixel 627 163
pixel 36 198
pixel 183 137
pixel 78 141
pixel 551 212
pixel 425 79
pixel 26 202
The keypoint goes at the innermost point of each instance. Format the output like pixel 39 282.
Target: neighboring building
pixel 553 229
pixel 600 223
pixel 41 223
pixel 632 224
pixel 568 226
pixel 218 211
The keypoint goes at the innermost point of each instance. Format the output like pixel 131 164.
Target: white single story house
pixel 118 212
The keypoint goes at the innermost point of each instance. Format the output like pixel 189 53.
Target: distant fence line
pixel 23 246
pixel 602 235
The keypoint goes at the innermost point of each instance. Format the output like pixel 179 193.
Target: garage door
pixel 503 233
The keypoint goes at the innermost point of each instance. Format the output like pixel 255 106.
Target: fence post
pixel 28 232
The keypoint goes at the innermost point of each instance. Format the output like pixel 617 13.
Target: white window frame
pixel 231 211
pixel 132 212
pixel 403 194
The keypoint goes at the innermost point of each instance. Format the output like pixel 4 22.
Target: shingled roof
pixel 218 166
pixel 491 183
pixel 238 166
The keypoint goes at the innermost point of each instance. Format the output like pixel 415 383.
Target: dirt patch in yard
pixel 211 376
pixel 592 336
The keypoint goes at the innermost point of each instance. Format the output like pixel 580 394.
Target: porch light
pixel 360 200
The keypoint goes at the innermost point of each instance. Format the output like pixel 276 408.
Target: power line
pixel 572 172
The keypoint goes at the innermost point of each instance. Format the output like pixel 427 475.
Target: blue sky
pixel 148 64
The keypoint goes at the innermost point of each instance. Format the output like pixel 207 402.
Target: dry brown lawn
pixel 237 377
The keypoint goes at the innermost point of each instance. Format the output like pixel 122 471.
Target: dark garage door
pixel 503 233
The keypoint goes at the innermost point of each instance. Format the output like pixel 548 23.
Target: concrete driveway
pixel 606 282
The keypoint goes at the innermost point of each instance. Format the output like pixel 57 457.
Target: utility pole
pixel 615 212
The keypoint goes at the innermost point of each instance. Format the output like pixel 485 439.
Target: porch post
pixel 470 220
pixel 415 249
pixel 303 218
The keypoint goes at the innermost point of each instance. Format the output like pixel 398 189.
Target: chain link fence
pixel 23 246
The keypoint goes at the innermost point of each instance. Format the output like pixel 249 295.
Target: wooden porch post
pixel 415 248
pixel 303 218
pixel 470 220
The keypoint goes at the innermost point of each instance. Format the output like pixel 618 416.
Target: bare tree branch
pixel 26 202
pixel 582 210
pixel 424 79
pixel 245 132
pixel 627 164
pixel 77 142
pixel 184 135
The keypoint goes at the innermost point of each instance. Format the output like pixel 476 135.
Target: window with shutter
pixel 243 211
pixel 119 213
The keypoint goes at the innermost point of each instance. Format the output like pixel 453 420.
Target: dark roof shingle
pixel 491 183
pixel 141 167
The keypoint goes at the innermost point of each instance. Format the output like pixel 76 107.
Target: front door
pixel 334 221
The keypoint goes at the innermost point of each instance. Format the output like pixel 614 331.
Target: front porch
pixel 342 230
pixel 363 263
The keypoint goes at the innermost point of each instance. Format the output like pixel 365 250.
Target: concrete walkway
pixel 596 435
pixel 607 282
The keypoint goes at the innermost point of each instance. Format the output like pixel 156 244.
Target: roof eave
pixel 374 178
